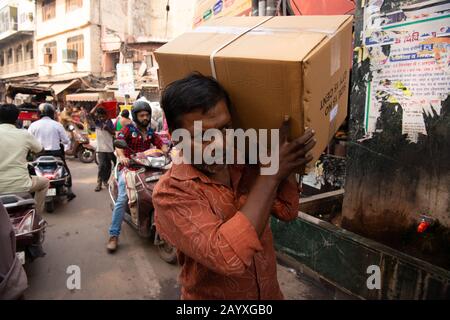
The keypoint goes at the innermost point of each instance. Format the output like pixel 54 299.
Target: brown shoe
pixel 112 243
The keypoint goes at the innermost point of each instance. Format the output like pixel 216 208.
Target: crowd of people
pixel 216 215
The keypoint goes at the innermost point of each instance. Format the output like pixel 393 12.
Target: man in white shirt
pixel 15 144
pixel 52 136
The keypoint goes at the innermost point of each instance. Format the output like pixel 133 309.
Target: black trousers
pixel 60 154
pixel 105 163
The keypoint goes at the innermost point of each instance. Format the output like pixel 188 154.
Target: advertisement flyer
pixel 410 63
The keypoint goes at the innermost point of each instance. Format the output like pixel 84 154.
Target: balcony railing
pixel 23 66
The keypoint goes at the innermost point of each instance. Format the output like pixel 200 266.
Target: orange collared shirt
pixel 220 252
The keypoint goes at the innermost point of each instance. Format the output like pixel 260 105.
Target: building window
pixel 9 56
pixel 48 9
pixel 50 53
pixel 19 54
pixel 73 5
pixel 76 43
pixel 29 55
pixel 2 58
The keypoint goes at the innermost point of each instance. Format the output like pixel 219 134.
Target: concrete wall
pixel 180 19
pixel 59 29
pixel 393 179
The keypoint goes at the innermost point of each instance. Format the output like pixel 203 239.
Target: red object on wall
pixel 322 7
pixel 423 226
pixel 111 108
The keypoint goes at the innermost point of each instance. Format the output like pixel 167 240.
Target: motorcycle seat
pixel 16 199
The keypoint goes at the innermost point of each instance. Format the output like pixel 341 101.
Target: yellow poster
pixel 212 9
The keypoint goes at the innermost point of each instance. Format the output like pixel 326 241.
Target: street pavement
pixel 77 235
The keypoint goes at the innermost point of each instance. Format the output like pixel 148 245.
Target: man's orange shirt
pixel 220 252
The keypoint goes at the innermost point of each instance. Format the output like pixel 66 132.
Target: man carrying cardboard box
pixel 217 215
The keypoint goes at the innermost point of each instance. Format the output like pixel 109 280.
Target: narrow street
pixel 77 235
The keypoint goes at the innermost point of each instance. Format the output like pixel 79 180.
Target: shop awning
pixel 85 96
pixel 60 87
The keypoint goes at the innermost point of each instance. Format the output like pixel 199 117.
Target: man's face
pixel 101 117
pixel 216 118
pixel 143 118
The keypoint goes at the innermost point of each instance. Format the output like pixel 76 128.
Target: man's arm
pixel 292 156
pixel 185 219
pixel 34 145
pixel 122 135
pixel 99 103
pixel 157 142
pixel 63 137
pixel 109 126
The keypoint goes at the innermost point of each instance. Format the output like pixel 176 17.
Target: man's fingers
pixel 285 129
pixel 303 161
pixel 305 137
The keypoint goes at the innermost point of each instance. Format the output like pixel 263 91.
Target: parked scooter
pixel 80 146
pixel 29 227
pixel 152 165
pixel 53 169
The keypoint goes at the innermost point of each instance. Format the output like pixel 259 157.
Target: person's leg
pixel 108 167
pixel 118 211
pixel 39 185
pixel 102 162
pixel 61 153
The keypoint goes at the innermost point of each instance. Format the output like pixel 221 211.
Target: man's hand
pixel 293 155
pixel 124 160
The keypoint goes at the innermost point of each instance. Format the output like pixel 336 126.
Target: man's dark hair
pixel 125 113
pixel 192 93
pixel 9 113
pixel 100 112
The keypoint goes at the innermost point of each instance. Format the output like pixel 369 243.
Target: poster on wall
pixel 409 62
pixel 212 9
pixel 125 78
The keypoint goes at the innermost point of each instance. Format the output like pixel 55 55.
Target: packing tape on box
pixel 213 54
pixel 257 30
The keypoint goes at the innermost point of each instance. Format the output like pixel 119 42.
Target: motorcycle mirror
pixel 120 144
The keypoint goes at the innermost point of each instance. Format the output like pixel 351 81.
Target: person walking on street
pixel 104 130
pixel 16 143
pixel 139 137
pixel 53 137
pixel 123 120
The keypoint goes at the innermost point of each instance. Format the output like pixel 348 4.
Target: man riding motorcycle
pixel 139 137
pixel 52 136
pixel 15 144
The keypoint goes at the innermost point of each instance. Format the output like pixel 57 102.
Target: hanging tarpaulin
pixel 321 7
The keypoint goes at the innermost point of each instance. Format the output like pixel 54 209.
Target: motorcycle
pixel 80 146
pixel 29 227
pixel 151 165
pixel 53 169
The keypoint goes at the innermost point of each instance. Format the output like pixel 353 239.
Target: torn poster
pixel 410 63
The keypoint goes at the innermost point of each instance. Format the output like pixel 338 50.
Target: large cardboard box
pixel 271 67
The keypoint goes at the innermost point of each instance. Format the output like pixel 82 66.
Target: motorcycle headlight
pixel 26 225
pixel 159 162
